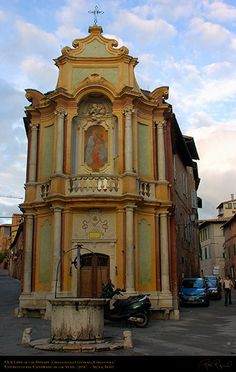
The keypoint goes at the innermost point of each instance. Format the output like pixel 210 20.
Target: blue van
pixel 194 291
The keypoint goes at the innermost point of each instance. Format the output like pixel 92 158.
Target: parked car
pixel 194 291
pixel 214 287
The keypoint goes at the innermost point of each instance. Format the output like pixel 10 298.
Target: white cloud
pixel 208 34
pixel 217 69
pixel 216 91
pixel 144 30
pixel 41 73
pixel 216 148
pixel 183 70
pixel 221 11
pixel 233 43
pixel 3 16
pixel 72 12
pixel 67 34
pixel 161 9
pixel 33 40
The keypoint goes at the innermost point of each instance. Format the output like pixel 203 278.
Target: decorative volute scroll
pixel 34 96
pixel 160 94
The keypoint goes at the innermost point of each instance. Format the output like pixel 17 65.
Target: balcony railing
pixel 94 184
pixel 146 189
pixel 43 190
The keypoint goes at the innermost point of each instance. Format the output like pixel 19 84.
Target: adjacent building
pixel 16 247
pixel 229 229
pixel 212 241
pixel 217 241
pixel 110 172
pixel 5 236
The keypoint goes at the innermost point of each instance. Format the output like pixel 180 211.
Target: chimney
pixel 232 196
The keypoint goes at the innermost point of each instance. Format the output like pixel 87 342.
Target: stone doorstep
pixel 45 344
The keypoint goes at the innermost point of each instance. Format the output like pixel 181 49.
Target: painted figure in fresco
pixel 95 148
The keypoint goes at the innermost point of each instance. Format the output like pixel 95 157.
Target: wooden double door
pixel 94 272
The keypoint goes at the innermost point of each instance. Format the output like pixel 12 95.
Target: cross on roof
pixel 96 11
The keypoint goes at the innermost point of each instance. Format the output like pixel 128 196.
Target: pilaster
pixel 164 248
pixel 60 113
pixel 28 253
pixel 161 160
pixel 56 277
pixel 129 249
pixel 33 152
pixel 128 111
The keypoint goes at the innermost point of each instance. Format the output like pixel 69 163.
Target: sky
pixel 188 45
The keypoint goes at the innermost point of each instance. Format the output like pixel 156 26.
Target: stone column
pixel 57 250
pixel 29 224
pixel 161 160
pixel 33 152
pixel 60 140
pixel 128 140
pixel 164 248
pixel 129 248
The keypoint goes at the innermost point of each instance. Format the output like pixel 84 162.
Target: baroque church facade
pixel 101 173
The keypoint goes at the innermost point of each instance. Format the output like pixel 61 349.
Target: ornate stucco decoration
pixel 95 225
pixel 96 112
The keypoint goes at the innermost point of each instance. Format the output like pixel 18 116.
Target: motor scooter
pixel 134 309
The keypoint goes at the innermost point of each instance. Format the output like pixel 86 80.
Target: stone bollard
pixel 128 342
pixel 26 338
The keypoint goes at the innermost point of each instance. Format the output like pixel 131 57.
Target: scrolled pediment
pixel 95 45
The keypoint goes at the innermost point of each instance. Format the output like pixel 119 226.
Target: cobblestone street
pixel 201 332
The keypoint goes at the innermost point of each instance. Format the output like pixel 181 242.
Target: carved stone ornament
pixel 96 112
pixel 128 110
pixel 60 111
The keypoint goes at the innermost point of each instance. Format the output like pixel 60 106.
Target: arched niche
pixel 94 136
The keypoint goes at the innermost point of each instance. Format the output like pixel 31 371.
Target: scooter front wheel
pixel 142 320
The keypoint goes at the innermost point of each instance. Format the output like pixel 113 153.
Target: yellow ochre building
pixel 101 173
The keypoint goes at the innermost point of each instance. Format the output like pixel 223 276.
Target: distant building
pixel 227 208
pixel 5 241
pixel 16 247
pixel 212 246
pixel 17 219
pixel 5 236
pixel 229 229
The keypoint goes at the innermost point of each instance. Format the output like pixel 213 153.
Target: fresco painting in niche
pixel 95 153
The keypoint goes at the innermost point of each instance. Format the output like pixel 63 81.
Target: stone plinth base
pixel 82 346
pixel 32 305
pixel 77 319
